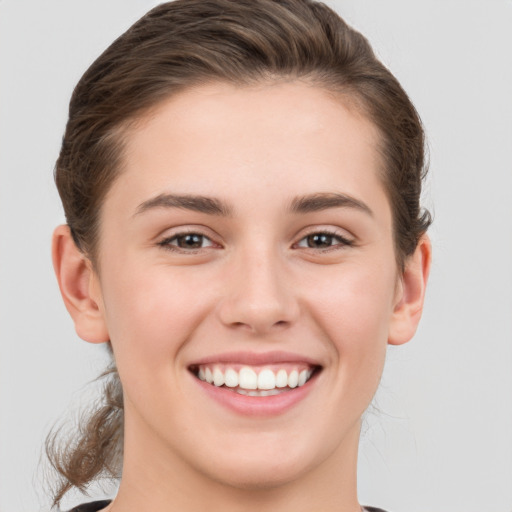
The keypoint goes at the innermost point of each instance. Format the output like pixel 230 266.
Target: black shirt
pixel 94 506
pixel 98 505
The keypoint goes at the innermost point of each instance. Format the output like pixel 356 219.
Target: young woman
pixel 241 183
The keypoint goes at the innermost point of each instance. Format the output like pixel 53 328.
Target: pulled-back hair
pixel 187 43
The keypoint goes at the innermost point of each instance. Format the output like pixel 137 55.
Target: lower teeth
pixel 261 392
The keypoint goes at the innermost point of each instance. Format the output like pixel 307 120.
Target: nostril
pixel 240 325
pixel 259 326
pixel 258 313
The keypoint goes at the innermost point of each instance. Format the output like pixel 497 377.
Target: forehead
pixel 292 137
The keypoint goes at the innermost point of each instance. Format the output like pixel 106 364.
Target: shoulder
pixel 93 506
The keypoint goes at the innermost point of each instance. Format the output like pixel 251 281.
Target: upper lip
pixel 256 358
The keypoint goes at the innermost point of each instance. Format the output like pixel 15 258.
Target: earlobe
pixel 79 287
pixel 409 306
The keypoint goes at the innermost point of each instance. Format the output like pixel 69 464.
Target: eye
pixel 186 241
pixel 323 240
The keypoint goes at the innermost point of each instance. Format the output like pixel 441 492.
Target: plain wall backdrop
pixel 441 440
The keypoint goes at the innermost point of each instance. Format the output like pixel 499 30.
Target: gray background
pixel 442 438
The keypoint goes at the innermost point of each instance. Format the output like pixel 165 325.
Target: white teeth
pixel 247 378
pixel 218 377
pixel 266 383
pixel 262 392
pixel 293 379
pixel 231 378
pixel 266 379
pixel 270 392
pixel 281 379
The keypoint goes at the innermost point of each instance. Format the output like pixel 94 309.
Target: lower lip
pixel 257 405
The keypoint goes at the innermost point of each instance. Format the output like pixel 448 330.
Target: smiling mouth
pixel 255 381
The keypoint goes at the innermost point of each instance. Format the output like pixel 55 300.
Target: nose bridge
pixel 258 295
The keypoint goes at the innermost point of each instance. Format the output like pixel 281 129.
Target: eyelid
pixel 185 229
pixel 344 238
pixel 341 235
pixel 174 233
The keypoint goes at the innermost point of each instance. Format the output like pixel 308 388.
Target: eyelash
pixel 342 241
pixel 166 243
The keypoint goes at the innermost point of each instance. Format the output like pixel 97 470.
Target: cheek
pixel 355 307
pixel 356 302
pixel 151 312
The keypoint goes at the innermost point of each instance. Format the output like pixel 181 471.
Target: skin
pixel 254 286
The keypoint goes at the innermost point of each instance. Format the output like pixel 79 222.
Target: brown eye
pixel 323 241
pixel 319 241
pixel 187 241
pixel 191 241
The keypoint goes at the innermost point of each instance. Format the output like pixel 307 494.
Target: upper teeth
pixel 247 378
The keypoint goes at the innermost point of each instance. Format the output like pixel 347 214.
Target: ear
pixel 411 294
pixel 79 286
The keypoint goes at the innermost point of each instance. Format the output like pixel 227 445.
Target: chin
pixel 261 467
pixel 257 477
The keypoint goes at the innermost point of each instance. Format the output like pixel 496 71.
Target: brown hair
pixel 189 42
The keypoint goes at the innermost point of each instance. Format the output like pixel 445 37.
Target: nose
pixel 258 295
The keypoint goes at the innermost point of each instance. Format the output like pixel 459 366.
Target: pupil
pixel 190 241
pixel 319 240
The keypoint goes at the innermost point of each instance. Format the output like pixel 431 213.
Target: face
pixel 248 282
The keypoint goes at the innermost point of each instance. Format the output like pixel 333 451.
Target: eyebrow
pixel 195 203
pixel 324 201
pixel 212 206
